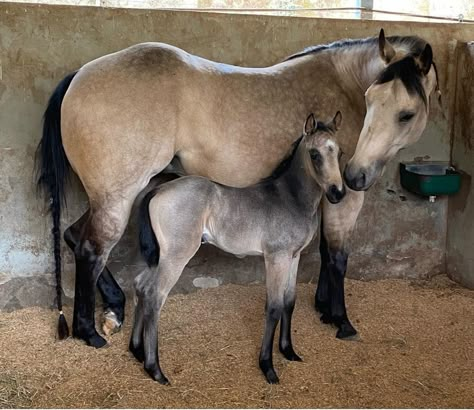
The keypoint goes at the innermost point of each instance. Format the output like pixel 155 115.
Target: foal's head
pixel 325 154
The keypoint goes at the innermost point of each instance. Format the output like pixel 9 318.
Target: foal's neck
pixel 299 181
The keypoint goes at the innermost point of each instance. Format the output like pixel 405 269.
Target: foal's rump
pixel 172 217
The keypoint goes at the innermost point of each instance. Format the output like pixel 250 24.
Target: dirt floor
pixel 416 350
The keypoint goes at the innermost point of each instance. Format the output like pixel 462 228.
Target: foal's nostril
pixel 334 194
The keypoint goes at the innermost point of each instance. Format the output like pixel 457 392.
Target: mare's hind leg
pixel 112 295
pixel 338 221
pixel 114 302
pixel 285 345
pixel 278 268
pixel 99 234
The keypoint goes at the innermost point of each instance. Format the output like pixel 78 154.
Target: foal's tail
pixel 149 247
pixel 52 169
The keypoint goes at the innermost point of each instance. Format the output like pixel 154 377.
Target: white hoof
pixel 110 324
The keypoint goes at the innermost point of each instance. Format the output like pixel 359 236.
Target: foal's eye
pixel 315 154
pixel 405 116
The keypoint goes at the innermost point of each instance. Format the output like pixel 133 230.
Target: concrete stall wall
pixel 397 235
pixel 460 242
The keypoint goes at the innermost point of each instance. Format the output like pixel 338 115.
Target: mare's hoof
pixel 326 318
pixel 94 340
pixel 157 375
pixel 110 324
pixel 322 307
pixel 347 332
pixel 290 354
pixel 137 351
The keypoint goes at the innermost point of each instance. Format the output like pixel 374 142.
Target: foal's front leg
pixel 285 345
pixel 338 221
pixel 278 267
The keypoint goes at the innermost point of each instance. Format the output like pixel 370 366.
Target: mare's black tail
pixel 52 168
pixel 149 247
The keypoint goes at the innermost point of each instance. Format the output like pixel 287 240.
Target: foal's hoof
pixel 111 324
pixel 347 332
pixel 271 377
pixel 290 354
pixel 157 375
pixel 94 340
pixel 137 351
pixel 268 371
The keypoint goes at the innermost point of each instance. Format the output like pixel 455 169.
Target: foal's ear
pixel 337 120
pixel 426 59
pixel 309 125
pixel 386 51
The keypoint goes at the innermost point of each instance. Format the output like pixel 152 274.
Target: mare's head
pixel 397 108
pixel 325 154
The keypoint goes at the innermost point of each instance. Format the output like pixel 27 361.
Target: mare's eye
pixel 405 116
pixel 339 156
pixel 315 154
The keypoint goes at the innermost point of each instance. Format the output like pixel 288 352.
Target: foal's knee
pixel 274 310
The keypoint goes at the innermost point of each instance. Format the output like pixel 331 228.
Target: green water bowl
pixel 430 178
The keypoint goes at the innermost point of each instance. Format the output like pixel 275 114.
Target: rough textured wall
pixel 460 247
pixel 39 44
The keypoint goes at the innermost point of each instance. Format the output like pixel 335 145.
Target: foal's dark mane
pixel 285 164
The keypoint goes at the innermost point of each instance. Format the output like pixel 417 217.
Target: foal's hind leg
pixel 101 231
pixel 285 345
pixel 338 221
pixel 153 288
pixel 112 295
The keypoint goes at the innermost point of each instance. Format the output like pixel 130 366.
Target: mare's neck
pixel 336 79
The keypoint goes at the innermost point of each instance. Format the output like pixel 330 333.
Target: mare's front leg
pixel 278 266
pixel 286 345
pixel 338 221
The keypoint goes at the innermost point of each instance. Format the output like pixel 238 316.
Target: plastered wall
pixel 397 235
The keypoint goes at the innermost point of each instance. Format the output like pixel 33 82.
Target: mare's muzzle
pixel 334 194
pixel 360 178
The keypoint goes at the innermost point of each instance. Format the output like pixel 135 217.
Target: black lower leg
pixel 286 345
pixel 136 339
pixel 112 295
pixel 337 268
pixel 83 326
pixel 322 297
pixel 273 315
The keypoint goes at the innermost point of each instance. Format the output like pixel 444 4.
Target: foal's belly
pixel 233 242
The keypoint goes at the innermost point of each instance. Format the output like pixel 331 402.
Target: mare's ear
pixel 309 125
pixel 386 51
pixel 337 120
pixel 425 60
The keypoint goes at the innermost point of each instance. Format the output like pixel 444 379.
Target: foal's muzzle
pixel 334 194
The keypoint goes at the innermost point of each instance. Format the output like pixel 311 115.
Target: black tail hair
pixel 149 247
pixel 52 169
